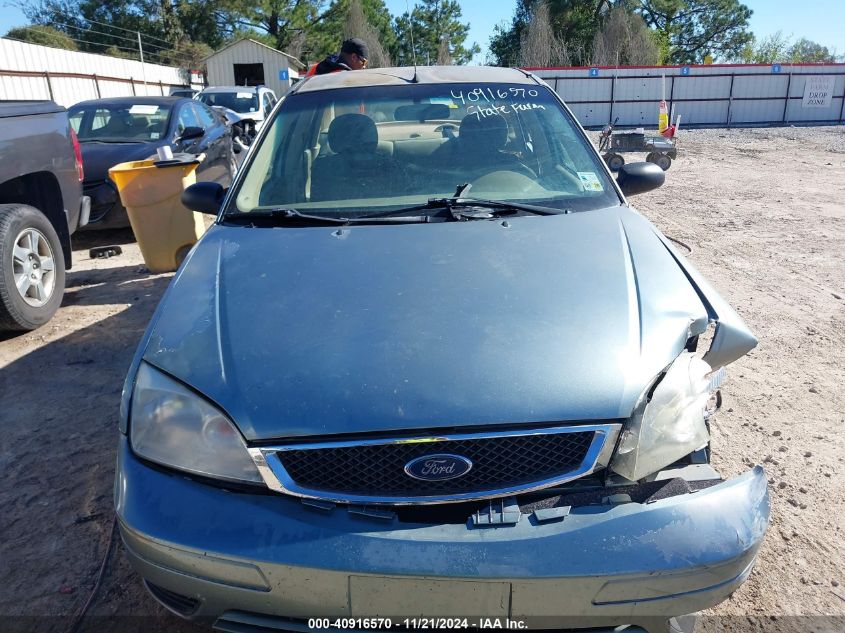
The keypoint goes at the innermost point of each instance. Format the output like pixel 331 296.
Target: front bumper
pixel 106 210
pixel 238 552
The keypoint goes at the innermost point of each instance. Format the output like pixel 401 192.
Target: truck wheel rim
pixel 33 267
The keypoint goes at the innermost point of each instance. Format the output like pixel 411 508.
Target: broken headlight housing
pixel 669 421
pixel 172 426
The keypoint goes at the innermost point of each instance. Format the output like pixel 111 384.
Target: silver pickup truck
pixel 41 205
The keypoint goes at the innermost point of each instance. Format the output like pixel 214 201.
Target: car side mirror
pixel 191 132
pixel 205 197
pixel 637 178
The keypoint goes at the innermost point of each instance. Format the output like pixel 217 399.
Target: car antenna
pixel 413 48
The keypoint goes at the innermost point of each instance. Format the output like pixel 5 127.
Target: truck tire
pixel 32 268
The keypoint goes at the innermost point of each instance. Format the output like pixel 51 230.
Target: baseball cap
pixel 357 46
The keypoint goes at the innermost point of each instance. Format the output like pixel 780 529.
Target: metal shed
pixel 251 63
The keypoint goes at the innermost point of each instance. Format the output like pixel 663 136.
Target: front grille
pixel 499 462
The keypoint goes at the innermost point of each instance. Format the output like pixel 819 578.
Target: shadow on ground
pixel 59 416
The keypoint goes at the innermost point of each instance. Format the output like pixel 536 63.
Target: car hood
pixel 98 158
pixel 254 115
pixel 320 331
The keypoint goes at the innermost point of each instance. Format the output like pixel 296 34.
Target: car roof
pixel 118 101
pixel 235 89
pixel 421 74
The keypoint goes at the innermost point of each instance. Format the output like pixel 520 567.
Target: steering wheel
pixel 521 168
pixel 512 181
pixel 448 130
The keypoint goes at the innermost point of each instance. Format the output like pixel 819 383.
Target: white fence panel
pixel 29 71
pixel 702 87
pixel 757 111
pixel 70 90
pixel 24 87
pixel 582 89
pixel 699 113
pixel 641 113
pixel 796 111
pixel 645 89
pixel 591 115
pixel 760 86
pixel 703 95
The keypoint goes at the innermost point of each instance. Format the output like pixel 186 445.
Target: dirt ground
pixel 762 212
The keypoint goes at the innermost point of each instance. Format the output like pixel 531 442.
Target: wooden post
pixel 97 85
pixel 842 106
pixel 49 85
pixel 730 100
pixel 161 87
pixel 612 91
pixel 132 81
pixel 671 97
pixel 786 100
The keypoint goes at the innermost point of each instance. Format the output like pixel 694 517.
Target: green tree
pixel 114 51
pixel 695 28
pixel 98 27
pixel 805 50
pixel 209 22
pixel 778 47
pixel 187 55
pixel 431 22
pixel 625 40
pixel 324 37
pixel 773 48
pixel 281 20
pixel 44 35
pixel 575 23
pixel 540 46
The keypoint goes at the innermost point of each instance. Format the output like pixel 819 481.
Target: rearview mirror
pixel 191 132
pixel 422 112
pixel 637 178
pixel 204 197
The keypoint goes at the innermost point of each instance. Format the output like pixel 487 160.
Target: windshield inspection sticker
pixel 590 181
pixel 143 109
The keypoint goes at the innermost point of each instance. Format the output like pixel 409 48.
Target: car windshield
pixel 357 151
pixel 244 101
pixel 120 123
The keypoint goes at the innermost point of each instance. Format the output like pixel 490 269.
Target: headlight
pixel 672 423
pixel 172 426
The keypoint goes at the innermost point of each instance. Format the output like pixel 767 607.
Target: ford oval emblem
pixel 438 467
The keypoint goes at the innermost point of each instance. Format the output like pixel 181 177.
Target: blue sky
pixel 818 20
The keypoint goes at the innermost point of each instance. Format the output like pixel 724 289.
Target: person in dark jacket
pixel 353 55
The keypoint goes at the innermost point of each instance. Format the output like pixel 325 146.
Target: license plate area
pixel 379 596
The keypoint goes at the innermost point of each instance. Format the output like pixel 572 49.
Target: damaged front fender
pixel 732 338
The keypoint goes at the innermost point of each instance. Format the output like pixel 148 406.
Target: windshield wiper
pixel 470 208
pixel 115 140
pixel 294 216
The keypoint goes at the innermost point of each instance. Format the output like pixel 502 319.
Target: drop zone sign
pixel 818 92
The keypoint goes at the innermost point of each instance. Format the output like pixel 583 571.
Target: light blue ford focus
pixel 429 363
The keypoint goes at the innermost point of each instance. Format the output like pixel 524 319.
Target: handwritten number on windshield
pixel 492 94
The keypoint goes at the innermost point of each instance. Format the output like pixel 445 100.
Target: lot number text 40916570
pixel 416 623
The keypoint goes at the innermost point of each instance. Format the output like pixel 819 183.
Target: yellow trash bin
pixel 151 193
